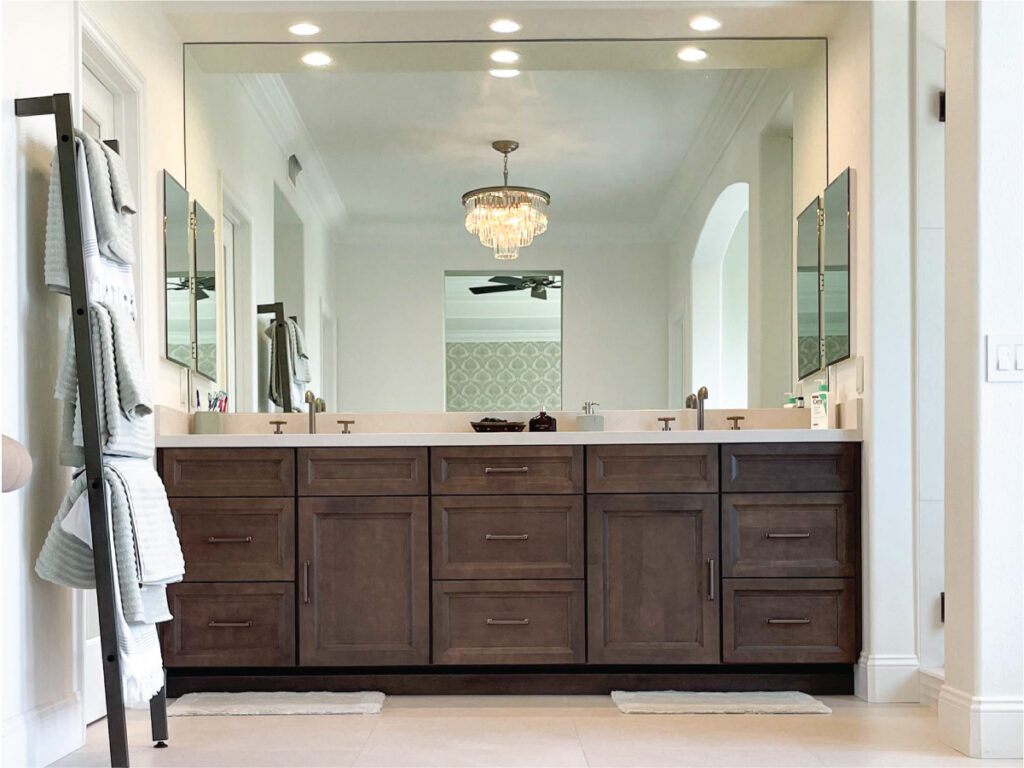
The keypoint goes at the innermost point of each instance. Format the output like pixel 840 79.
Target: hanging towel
pixel 126 427
pixel 113 220
pixel 289 367
pixel 144 544
pixel 109 281
pixel 297 353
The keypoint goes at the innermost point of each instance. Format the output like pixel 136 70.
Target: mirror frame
pixel 814 209
pixel 168 181
pixel 200 232
pixel 837 238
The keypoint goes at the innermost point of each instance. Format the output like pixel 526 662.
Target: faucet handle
pixel 735 421
pixel 277 426
pixel 345 423
pixel 691 400
pixel 666 423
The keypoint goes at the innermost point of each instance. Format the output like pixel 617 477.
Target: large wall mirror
pixel 808 289
pixel 659 191
pixel 177 274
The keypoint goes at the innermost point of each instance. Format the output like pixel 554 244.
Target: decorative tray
pixel 498 426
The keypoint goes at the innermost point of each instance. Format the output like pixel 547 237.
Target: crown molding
pixel 716 132
pixel 273 102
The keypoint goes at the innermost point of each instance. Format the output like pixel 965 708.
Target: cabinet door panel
pixel 364 581
pixel 799 467
pixel 228 471
pixel 652 468
pixel 651 579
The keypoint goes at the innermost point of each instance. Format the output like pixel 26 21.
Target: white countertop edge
pixel 416 439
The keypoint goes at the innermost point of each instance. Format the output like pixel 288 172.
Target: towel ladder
pixel 59 105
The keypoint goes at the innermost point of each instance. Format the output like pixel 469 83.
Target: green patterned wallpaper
pixel 503 376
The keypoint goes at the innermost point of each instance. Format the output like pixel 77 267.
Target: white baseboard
pixel 44 734
pixel 981 726
pixel 930 683
pixel 887 678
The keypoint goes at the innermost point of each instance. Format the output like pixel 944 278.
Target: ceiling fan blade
pixel 493 288
pixel 507 279
pixel 539 292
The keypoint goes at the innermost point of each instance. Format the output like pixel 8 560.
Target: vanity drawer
pixel 230 625
pixel 805 467
pixel 363 472
pixel 508 622
pixel 507 537
pixel 652 469
pixel 236 539
pixel 788 621
pixel 228 471
pixel 789 534
pixel 507 469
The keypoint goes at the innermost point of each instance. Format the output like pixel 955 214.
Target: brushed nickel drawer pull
pixel 789 621
pixel 230 539
pixel 517 622
pixel 711 579
pixel 305 582
pixel 771 535
pixel 230 624
pixel 506 470
pixel 506 536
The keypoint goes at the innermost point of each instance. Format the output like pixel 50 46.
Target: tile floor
pixel 499 731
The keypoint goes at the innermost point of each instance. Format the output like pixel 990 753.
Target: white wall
pixel 391 319
pixel 41 686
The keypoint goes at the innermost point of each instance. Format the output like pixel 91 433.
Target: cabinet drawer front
pixel 652 469
pixel 507 537
pixel 652 582
pixel 507 469
pixel 790 467
pixel 789 534
pixel 236 539
pixel 788 620
pixel 362 471
pixel 228 471
pixel 364 581
pixel 230 625
pixel 508 622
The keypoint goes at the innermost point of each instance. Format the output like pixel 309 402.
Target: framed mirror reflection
pixel 836 269
pixel 177 274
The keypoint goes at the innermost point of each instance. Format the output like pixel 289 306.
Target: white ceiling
pixel 403 147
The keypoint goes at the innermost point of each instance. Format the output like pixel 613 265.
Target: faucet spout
pixel 702 395
pixel 311 400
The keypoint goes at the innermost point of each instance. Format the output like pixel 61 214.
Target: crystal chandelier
pixel 506 218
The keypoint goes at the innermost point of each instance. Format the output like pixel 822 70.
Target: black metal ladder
pixel 59 105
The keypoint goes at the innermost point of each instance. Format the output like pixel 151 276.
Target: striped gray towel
pixel 113 221
pixel 126 426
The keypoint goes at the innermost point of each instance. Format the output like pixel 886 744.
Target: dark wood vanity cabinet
pixel 651 579
pixel 518 557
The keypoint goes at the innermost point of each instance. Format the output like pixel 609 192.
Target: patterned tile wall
pixel 503 376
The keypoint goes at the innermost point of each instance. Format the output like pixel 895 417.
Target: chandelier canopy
pixel 506 218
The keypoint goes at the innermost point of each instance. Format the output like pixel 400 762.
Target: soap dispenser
pixel 590 421
pixel 819 406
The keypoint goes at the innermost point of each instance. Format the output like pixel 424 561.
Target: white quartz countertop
pixel 385 439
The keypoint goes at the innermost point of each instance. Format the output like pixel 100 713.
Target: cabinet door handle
pixel 230 539
pixel 506 470
pixel 517 622
pixel 506 536
pixel 305 582
pixel 789 621
pixel 773 535
pixel 230 624
pixel 711 578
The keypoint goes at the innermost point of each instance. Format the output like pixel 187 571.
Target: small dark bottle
pixel 543 423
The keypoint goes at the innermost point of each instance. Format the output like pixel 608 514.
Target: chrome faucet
pixel 702 395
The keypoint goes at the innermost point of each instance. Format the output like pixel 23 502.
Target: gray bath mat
pixel 713 702
pixel 277 703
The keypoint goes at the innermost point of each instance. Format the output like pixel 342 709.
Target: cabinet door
pixel 652 580
pixel 364 581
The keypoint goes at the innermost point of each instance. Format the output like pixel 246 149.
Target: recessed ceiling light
pixel 705 23
pixel 316 59
pixel 504 26
pixel 692 54
pixel 304 29
pixel 505 56
pixel 504 73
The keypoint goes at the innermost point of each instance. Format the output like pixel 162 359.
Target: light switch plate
pixel 1003 358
